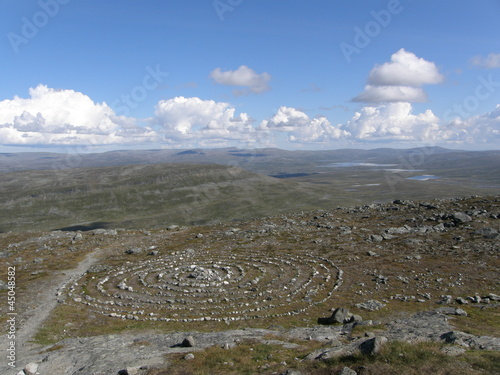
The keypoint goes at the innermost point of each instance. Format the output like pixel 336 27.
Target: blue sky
pixel 294 74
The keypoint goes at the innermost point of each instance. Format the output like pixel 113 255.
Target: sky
pixel 97 75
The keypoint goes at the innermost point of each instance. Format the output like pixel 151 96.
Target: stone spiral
pixel 198 285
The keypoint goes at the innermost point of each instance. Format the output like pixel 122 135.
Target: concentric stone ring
pixel 197 285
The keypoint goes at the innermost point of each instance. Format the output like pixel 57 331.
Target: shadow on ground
pixel 87 227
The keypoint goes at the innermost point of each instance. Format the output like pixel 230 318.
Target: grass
pixel 248 357
pixel 411 359
pixel 145 196
pixel 480 321
pixel 395 358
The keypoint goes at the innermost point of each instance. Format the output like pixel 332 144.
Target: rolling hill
pixel 146 196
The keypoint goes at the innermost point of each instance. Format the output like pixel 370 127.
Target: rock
pixel 3 285
pixel 461 301
pixel 376 238
pixel 372 253
pixel 347 371
pixel 446 299
pixel 372 346
pixel 292 372
pixel 31 368
pixel 105 232
pixel 452 351
pixel 489 233
pixel 388 236
pixel 356 319
pixel 399 230
pixel 456 337
pixel 189 357
pixel 188 342
pixel 494 297
pixel 451 311
pixel 135 250
pixel 129 371
pixel 371 305
pixel 460 217
pixel 467 340
pixel 341 315
pixel 97 268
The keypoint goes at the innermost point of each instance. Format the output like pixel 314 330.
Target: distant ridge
pixel 10 162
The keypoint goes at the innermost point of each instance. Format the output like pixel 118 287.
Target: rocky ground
pixel 313 287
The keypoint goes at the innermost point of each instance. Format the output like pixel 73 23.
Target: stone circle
pixel 197 285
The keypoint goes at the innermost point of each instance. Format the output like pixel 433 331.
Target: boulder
pixel 341 315
pixel 460 217
pixel 31 368
pixel 452 311
pixel 372 346
pixel 188 342
pixel 376 238
pixel 494 297
pixel 356 319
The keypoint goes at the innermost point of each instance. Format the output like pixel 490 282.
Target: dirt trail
pixel 46 302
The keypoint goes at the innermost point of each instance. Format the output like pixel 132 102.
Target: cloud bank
pixel 65 117
pixel 55 117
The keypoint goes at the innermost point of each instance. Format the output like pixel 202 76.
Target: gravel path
pixel 28 323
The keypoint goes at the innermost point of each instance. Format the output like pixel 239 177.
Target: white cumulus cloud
pixel 193 118
pixel 405 69
pixel 242 77
pixel 400 80
pixel 492 61
pixel 395 121
pixel 484 128
pixel 377 94
pixel 301 128
pixel 64 117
